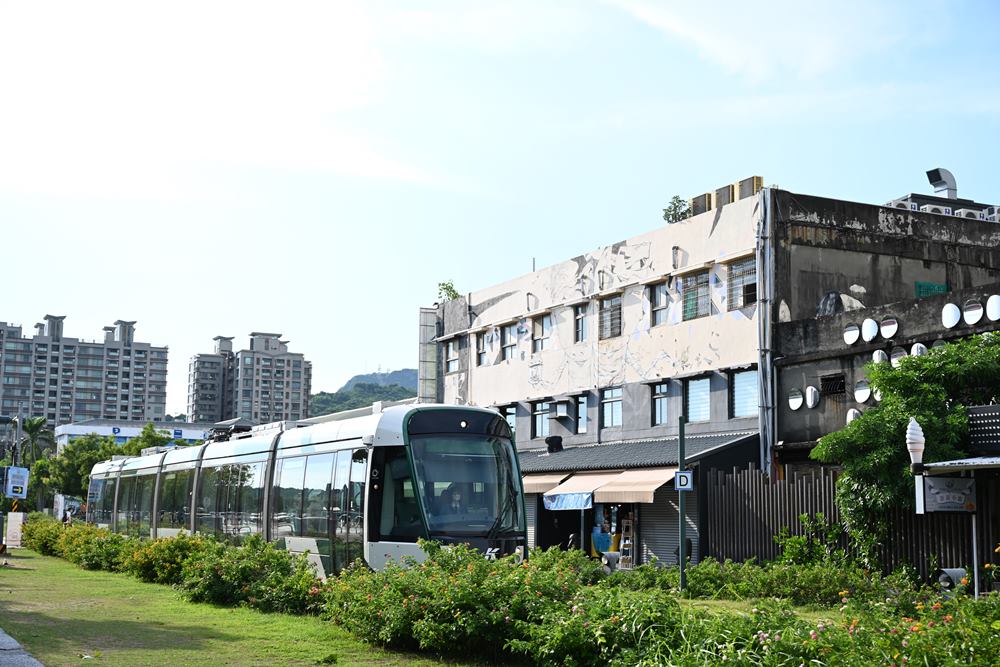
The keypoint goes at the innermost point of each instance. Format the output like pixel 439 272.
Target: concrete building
pixel 717 318
pixel 69 379
pixel 261 384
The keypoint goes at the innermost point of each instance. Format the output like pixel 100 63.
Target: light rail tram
pixel 365 487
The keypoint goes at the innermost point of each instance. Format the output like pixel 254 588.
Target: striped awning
pixel 542 483
pixel 577 492
pixel 634 486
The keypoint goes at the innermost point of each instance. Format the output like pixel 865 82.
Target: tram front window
pixel 468 485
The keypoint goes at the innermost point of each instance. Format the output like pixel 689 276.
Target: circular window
pixel 896 356
pixel 853 414
pixel 889 327
pixel 869 329
pixel 918 350
pixel 972 312
pixel 851 334
pixel 795 399
pixel 880 357
pixel 950 315
pixel 812 397
pixel 862 391
pixel 993 307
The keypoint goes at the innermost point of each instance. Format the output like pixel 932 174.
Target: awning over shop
pixel 577 492
pixel 634 486
pixel 961 465
pixel 543 483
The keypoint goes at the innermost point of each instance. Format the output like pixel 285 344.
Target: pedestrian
pixel 68 518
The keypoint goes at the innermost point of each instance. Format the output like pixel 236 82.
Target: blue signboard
pixel 684 481
pixel 178 433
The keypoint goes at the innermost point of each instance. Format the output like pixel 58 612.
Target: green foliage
pixel 360 395
pixel 41 533
pixel 70 470
pixel 456 601
pixel 95 548
pixel 819 542
pixel 676 210
pixel 447 291
pixel 163 561
pixel 37 440
pixel 254 574
pixel 935 388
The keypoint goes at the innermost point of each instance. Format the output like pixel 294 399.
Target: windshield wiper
pixel 509 495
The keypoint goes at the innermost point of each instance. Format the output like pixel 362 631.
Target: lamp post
pixel 915 446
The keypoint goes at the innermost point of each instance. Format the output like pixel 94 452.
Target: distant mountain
pixel 406 378
pixel 361 395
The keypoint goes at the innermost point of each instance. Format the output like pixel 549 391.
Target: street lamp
pixel 915 446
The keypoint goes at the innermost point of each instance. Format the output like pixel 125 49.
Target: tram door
pixel 356 506
pixel 339 508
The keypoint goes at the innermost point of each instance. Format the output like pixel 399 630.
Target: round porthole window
pixel 851 334
pixel 880 357
pixel 896 356
pixel 993 307
pixel 972 312
pixel 918 350
pixel 853 414
pixel 795 399
pixel 950 315
pixel 862 391
pixel 869 330
pixel 889 327
pixel 812 397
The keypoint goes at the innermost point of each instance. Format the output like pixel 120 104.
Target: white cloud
pixel 120 99
pixel 805 40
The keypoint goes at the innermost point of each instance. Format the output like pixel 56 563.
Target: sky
pixel 316 168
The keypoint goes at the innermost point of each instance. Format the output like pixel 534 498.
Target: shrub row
pixel 253 574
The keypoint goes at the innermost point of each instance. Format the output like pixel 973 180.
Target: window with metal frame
pixel 661 394
pixel 540 419
pixel 697 399
pixel 611 407
pixel 451 356
pixel 743 394
pixel 509 413
pixel 541 332
pixel 742 286
pixel 611 317
pixel 481 349
pixel 508 341
pixel 694 291
pixel 580 322
pixel 581 414
pixel 659 300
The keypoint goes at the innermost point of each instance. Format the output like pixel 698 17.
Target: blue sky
pixel 342 158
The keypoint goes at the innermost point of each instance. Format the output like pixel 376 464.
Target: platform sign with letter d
pixel 684 481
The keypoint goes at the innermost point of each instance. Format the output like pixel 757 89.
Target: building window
pixel 659 299
pixel 508 341
pixel 540 419
pixel 581 414
pixel 481 348
pixel 509 413
pixel 541 330
pixel 694 290
pixel 611 407
pixel 743 394
pixel 580 323
pixel 697 400
pixel 661 392
pixel 451 356
pixel 742 289
pixel 611 317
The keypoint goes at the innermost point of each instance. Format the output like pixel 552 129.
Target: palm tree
pixel 37 439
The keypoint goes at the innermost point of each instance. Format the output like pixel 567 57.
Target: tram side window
pixel 246 484
pixel 316 501
pixel 341 486
pixel 175 499
pixel 125 488
pixel 356 505
pixel 140 525
pixel 101 500
pixel 397 512
pixel 207 518
pixel 288 497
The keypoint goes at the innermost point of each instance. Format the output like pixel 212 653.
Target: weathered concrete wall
pixel 810 349
pixel 642 353
pixel 834 255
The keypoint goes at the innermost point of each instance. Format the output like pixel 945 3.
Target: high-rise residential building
pixel 262 384
pixel 68 380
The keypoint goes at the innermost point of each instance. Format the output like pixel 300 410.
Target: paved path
pixel 13 655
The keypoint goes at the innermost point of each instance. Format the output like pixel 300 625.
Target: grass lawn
pixel 60 613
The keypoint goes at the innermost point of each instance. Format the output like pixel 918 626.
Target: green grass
pixel 60 613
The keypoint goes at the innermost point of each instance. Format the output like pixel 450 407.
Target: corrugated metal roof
pixel 975 463
pixel 627 454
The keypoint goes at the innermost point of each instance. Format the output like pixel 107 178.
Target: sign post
pixel 680 502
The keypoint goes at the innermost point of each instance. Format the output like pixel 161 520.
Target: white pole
pixel 975 557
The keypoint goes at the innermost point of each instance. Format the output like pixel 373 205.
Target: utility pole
pixel 681 528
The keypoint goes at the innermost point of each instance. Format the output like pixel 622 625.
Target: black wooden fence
pixel 745 509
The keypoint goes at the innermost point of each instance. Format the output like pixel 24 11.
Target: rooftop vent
pixel 943 182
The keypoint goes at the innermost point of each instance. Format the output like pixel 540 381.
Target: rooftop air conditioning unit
pixel 971 214
pixel 934 208
pixel 903 204
pixel 701 203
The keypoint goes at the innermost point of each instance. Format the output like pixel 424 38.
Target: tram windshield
pixel 468 485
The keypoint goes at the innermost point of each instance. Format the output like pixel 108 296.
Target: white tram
pixel 367 487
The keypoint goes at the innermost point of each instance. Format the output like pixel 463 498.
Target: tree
pixel 676 210
pixel 69 472
pixel 447 291
pixel 148 437
pixel 936 389
pixel 36 440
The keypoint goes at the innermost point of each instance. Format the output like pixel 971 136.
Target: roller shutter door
pixel 658 527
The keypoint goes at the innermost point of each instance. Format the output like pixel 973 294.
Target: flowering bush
pixel 41 533
pixel 94 548
pixel 255 574
pixel 163 561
